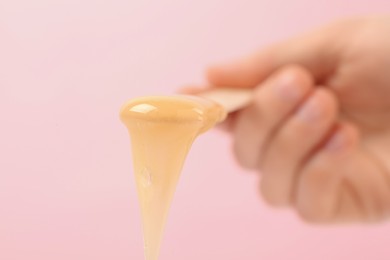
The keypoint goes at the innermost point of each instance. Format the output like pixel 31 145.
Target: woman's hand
pixel 319 127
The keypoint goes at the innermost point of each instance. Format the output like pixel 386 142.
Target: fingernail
pixel 311 111
pixel 336 143
pixel 286 88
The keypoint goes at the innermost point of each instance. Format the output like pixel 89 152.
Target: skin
pixel 318 131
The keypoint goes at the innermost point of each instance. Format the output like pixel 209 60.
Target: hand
pixel 319 127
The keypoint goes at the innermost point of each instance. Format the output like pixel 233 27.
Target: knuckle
pixel 273 197
pixel 243 157
pixel 309 203
pixel 267 197
pixel 315 180
pixel 311 216
pixel 314 213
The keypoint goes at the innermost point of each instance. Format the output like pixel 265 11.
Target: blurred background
pixel 66 181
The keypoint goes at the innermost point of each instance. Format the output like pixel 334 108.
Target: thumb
pixel 316 51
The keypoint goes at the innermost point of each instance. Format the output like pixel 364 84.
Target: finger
pixel 343 183
pixel 318 51
pixel 293 143
pixel 274 101
pixel 369 182
pixel 347 208
pixel 319 187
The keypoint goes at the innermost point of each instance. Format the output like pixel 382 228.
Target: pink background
pixel 66 184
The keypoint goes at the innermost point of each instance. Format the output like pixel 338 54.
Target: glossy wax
pixel 162 130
